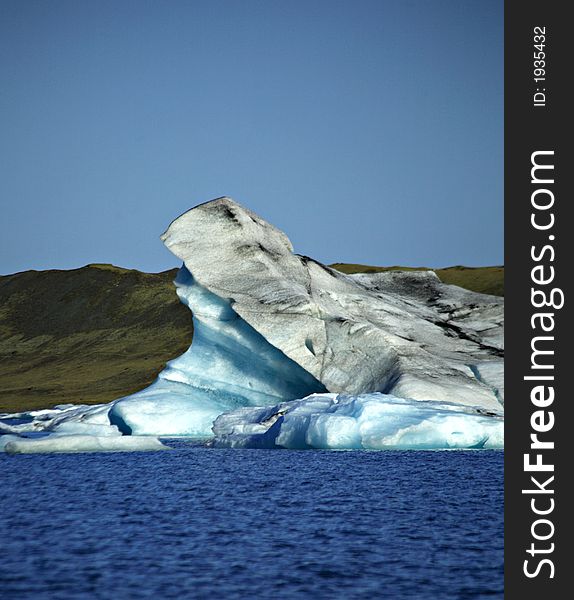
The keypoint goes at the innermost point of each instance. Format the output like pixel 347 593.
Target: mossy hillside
pixel 486 280
pixel 87 335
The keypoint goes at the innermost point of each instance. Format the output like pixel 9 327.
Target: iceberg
pixel 368 421
pixel 369 353
pixel 405 334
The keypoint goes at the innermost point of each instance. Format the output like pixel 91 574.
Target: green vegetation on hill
pixel 97 333
pixel 87 335
pixel 486 280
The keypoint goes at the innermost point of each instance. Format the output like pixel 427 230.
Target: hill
pixel 87 335
pixel 93 334
pixel 486 280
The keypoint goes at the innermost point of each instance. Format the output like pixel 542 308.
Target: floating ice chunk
pixel 78 419
pixel 68 428
pixel 370 421
pixel 79 443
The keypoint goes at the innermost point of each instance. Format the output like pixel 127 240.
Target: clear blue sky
pixel 369 131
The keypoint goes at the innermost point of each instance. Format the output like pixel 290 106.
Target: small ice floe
pixel 13 444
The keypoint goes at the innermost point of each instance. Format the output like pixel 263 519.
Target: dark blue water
pixel 206 523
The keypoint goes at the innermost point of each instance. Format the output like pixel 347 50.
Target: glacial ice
pixel 405 334
pixel 228 365
pixel 368 421
pixel 377 360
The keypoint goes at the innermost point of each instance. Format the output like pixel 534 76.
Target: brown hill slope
pixel 486 280
pixel 87 335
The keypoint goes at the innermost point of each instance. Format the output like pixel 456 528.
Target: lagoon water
pixel 206 523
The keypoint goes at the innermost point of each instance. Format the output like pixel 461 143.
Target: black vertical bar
pixel 534 124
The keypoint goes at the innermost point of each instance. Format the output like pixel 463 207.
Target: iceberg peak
pixel 401 333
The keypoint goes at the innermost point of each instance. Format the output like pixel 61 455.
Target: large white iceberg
pixel 405 334
pixel 369 421
pixel 271 326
